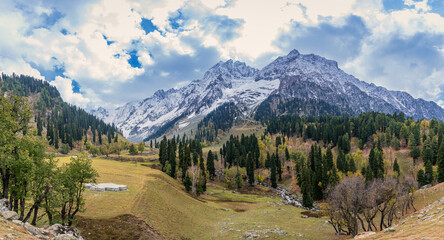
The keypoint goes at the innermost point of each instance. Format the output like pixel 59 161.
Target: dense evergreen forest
pixel 64 123
pixel 275 106
pixel 221 119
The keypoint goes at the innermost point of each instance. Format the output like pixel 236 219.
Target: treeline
pixel 64 123
pixel 422 137
pixel 217 121
pixel 32 180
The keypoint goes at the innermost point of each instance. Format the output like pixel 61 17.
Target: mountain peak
pixel 230 69
pixel 294 52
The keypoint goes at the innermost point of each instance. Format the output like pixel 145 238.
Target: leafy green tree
pixel 132 149
pixel 74 175
pixel 141 147
pixel 15 114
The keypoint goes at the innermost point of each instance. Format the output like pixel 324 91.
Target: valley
pixel 165 206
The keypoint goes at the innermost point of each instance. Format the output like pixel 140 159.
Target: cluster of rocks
pixel 101 187
pixel 54 232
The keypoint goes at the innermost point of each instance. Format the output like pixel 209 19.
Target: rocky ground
pixel 12 228
pixel 424 224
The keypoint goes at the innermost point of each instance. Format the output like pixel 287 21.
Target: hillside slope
pixel 61 122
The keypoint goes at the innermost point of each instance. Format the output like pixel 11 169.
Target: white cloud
pixel 64 85
pixel 253 29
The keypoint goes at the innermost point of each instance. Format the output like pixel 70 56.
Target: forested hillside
pixel 217 122
pixel 63 123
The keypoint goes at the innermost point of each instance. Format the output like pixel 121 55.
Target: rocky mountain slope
pixel 294 76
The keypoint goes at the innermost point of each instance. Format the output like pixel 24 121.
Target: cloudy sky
pixel 109 52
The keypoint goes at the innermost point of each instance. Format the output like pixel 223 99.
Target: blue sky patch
pixel 393 5
pixel 51 19
pixel 108 42
pixel 134 60
pixel 75 86
pixel 50 75
pixel 148 26
pixel 175 22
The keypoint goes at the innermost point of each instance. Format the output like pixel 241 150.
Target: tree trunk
pixel 15 205
pixel 22 208
pixel 63 213
pixel 5 182
pixel 28 215
pixel 34 219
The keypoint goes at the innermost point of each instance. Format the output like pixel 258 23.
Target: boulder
pixel 18 222
pixel 59 229
pixel 10 215
pixel 32 230
pixel 65 237
pixel 388 230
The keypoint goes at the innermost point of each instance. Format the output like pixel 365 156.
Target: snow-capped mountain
pixel 292 76
pixel 314 77
pixel 225 82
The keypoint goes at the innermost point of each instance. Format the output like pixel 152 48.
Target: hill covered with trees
pixel 61 123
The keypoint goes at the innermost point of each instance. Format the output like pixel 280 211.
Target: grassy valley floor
pixel 171 213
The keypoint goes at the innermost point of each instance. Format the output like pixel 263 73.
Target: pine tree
pixel 429 172
pixel 278 165
pixel 396 166
pixel 250 169
pixel 39 126
pixel 187 183
pixel 210 165
pixel 287 154
pixel 273 171
pixel 421 178
pixel 306 189
pixel 440 161
pixel 351 165
pixel 268 161
pixel 172 157
pixel 340 161
pixel 329 159
pixel 278 141
pixel 203 181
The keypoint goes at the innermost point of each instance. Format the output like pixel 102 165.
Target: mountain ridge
pixel 293 76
